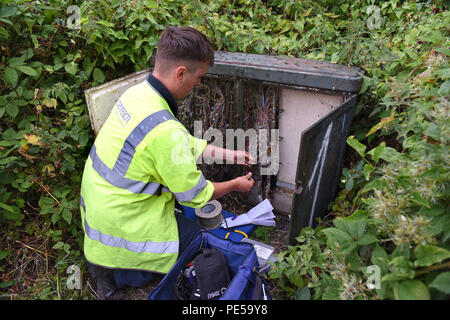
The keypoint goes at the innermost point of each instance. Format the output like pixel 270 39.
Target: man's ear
pixel 180 73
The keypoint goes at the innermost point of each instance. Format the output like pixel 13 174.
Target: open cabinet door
pixel 319 166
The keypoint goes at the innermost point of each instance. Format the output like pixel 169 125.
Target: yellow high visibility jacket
pixel 142 160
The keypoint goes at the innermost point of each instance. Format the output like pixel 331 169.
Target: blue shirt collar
pixel 164 92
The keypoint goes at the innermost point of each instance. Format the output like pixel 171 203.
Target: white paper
pixel 262 252
pixel 260 215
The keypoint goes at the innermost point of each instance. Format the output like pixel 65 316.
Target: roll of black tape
pixel 210 215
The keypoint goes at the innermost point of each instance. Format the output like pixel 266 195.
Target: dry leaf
pixel 33 139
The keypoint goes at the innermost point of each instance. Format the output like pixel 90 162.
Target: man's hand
pixel 228 156
pixel 241 184
pixel 243 157
pixel 244 183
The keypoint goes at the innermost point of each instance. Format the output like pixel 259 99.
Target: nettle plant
pixel 390 235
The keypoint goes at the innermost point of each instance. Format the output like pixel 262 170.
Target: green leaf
pixel 377 151
pixel 358 146
pixel 6 207
pixel 58 245
pixel 394 276
pixel 302 294
pixel 71 68
pixel 366 84
pixel 355 228
pixel 418 199
pixel 367 170
pixel 335 235
pixel 390 154
pixel 98 75
pixel 342 239
pixel 442 282
pixel 6 284
pixel 67 215
pixel 3 254
pixel 433 131
pixel 12 110
pixel 411 290
pixel 377 184
pixel 55 218
pixel 381 124
pixel 428 255
pixel 11 213
pixel 349 184
pixel 445 51
pixel 7 11
pixel 379 257
pixel 27 70
pixel 402 250
pixel 367 239
pixel 11 76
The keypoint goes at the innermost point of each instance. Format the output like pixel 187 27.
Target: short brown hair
pixel 184 43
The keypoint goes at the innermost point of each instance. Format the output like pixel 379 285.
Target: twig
pixel 93 291
pixel 46 190
pixel 34 249
pixel 435 268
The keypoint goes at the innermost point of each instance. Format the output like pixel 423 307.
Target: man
pixel 135 173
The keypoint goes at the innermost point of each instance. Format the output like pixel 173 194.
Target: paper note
pixel 262 252
pixel 260 215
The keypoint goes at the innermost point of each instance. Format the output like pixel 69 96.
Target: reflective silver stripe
pixel 139 247
pixel 82 204
pixel 192 193
pixel 136 136
pixel 116 179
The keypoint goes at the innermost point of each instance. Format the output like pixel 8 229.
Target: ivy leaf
pixel 429 255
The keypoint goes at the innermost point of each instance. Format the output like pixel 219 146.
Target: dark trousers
pixel 187 230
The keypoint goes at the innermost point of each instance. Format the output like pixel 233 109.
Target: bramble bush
pixel 391 214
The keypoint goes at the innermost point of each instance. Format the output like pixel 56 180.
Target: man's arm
pixel 228 156
pixel 242 184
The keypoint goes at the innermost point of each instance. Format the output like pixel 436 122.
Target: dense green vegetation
pixel 391 215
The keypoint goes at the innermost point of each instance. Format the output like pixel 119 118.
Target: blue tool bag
pixel 242 261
